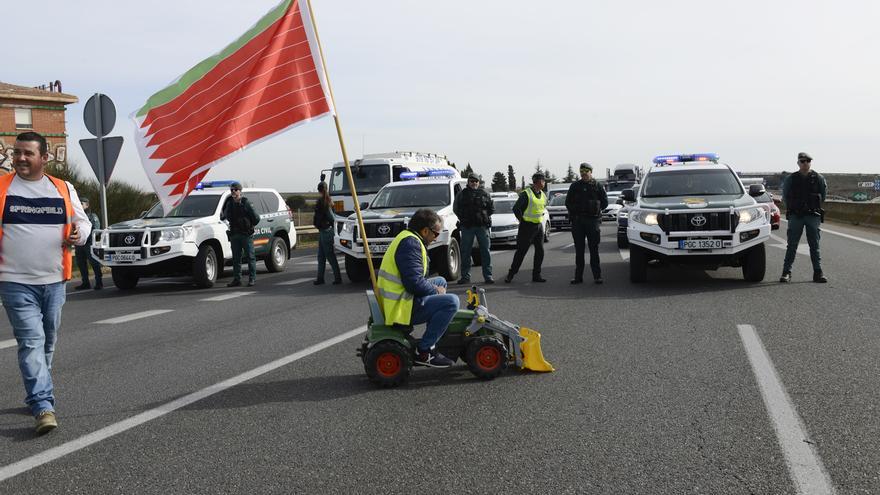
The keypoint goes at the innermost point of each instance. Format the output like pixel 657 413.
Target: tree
pixel 499 182
pixel 467 171
pixel 569 175
pixel 511 177
pixel 295 202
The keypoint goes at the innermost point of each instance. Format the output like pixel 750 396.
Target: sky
pixel 492 83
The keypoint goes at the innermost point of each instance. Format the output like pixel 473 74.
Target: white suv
pixel 192 239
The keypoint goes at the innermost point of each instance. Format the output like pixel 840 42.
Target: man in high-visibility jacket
pixel 42 218
pixel 408 298
pixel 529 210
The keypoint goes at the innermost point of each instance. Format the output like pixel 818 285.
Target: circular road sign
pixel 108 115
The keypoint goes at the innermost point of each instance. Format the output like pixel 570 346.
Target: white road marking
pixel 624 253
pixel 802 248
pixel 804 465
pixel 295 281
pixel 5 344
pixel 231 295
pixel 134 316
pixel 567 246
pixel 82 442
pixel 848 236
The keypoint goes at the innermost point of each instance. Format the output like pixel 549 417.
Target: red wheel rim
pixel 488 357
pixel 388 364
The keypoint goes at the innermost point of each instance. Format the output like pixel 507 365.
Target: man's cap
pixel 586 166
pixel 538 176
pixel 235 185
pixel 804 156
pixel 473 177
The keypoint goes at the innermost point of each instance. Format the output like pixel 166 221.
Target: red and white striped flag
pixel 266 81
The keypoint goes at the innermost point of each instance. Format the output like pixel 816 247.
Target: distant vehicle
pixel 613 188
pixel 558 213
pixel 505 225
pixel 775 215
pixel 626 172
pixel 623 218
pixel 610 212
pixel 554 190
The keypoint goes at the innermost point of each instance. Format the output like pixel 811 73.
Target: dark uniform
pixel 803 196
pixel 474 209
pixel 585 202
pixel 242 220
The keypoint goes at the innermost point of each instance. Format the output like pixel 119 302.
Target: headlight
pixel 346 227
pixel 645 217
pixel 750 215
pixel 176 234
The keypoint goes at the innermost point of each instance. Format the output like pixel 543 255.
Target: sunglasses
pixel 233 190
pixel 804 161
pixel 436 233
pixel 473 180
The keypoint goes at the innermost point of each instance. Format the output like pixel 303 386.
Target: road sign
pixel 860 196
pixel 866 184
pixel 99 115
pixel 111 147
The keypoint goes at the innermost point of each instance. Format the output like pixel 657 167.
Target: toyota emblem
pixel 129 239
pixel 698 221
pixel 384 229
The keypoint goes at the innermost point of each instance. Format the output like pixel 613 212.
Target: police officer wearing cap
pixel 474 207
pixel 803 193
pixel 585 201
pixel 529 210
pixel 83 255
pixel 242 219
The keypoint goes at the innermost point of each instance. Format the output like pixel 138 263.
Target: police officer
pixel 242 220
pixel 529 210
pixel 474 207
pixel 585 201
pixel 83 256
pixel 803 193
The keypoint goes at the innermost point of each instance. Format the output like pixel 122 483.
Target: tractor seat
pixel 378 319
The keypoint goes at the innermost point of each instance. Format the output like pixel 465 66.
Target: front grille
pixel 684 222
pixel 373 229
pixel 117 239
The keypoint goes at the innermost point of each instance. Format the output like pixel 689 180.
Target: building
pixel 33 109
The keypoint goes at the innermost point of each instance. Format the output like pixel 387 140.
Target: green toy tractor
pixel 486 343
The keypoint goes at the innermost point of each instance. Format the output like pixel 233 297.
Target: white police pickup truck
pixel 389 213
pixel 191 239
pixel 692 209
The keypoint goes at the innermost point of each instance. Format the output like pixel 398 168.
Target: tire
pixel 356 269
pixel 206 267
pixel 622 241
pixel 638 264
pixel 124 278
pixel 388 364
pixel 276 259
pixel 486 357
pixel 755 264
pixel 448 261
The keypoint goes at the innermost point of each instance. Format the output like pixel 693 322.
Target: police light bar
pixel 697 157
pixel 428 173
pixel 215 183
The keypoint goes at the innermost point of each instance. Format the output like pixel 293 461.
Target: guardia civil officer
pixel 585 201
pixel 529 210
pixel 803 193
pixel 242 220
pixel 474 207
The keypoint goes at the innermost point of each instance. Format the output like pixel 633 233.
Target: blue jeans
pixel 243 242
pixel 326 254
pixel 34 312
pixel 467 245
pixel 437 311
pixel 796 226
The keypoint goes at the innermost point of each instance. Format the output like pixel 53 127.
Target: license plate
pixel 122 257
pixel 701 244
pixel 378 248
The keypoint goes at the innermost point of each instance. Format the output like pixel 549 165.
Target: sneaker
pixel 785 278
pixel 576 280
pixel 464 281
pixel 820 278
pixel 598 280
pixel 82 287
pixel 46 422
pixel 489 280
pixel 433 360
pixel 320 281
pixel 252 282
pixel 539 279
pixel 234 283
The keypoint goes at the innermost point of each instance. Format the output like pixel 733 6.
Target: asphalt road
pixel 695 382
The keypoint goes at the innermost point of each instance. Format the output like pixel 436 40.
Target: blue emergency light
pixel 215 183
pixel 440 172
pixel 696 157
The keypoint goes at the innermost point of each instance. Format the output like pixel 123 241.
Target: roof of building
pixel 13 91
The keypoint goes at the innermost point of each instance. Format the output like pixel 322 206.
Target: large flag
pixel 266 81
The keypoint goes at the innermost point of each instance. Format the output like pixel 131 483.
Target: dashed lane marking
pixel 848 236
pixel 224 297
pixel 6 344
pixel 624 253
pixel 804 465
pixel 295 281
pixel 134 316
pixel 783 244
pixel 82 442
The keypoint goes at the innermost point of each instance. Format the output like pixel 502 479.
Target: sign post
pixel 99 115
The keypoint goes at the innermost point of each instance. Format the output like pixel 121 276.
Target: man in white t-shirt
pixel 41 219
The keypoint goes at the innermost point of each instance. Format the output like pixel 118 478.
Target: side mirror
pixel 364 205
pixel 756 190
pixel 628 195
pixel 619 201
pixel 143 214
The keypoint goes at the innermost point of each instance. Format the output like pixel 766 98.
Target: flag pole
pixel 357 206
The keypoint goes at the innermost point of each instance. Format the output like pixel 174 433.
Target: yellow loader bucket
pixel 533 358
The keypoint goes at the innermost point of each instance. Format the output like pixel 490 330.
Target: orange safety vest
pixel 66 252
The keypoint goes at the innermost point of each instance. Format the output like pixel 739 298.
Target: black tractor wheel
pixel 356 269
pixel 755 264
pixel 124 278
pixel 448 260
pixel 638 264
pixel 206 267
pixel 276 258
pixel 486 357
pixel 388 364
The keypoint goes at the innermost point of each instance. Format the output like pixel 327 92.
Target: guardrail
pixel 856 213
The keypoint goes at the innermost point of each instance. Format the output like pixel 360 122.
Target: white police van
pixel 693 209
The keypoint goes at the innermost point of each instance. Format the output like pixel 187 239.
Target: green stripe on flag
pixel 191 76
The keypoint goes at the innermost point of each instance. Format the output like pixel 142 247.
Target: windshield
pixel 505 206
pixel 618 186
pixel 367 178
pixel 558 200
pixel 691 183
pixel 412 196
pixel 203 205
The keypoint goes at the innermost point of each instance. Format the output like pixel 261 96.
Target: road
pixel 695 382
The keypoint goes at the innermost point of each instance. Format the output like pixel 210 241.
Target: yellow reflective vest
pixel 534 212
pixel 397 303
